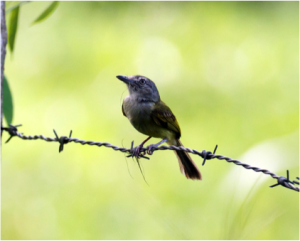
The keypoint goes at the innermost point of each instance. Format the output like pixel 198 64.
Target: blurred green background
pixel 228 70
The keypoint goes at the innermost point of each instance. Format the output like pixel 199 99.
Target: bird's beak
pixel 126 80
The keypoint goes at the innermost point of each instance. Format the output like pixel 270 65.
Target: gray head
pixel 141 87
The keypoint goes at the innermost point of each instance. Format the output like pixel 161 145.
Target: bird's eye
pixel 142 81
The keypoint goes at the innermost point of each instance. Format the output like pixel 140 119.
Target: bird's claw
pixel 137 151
pixel 150 149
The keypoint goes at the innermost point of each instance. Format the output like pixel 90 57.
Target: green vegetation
pixel 228 70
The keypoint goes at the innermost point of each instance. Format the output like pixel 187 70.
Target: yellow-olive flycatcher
pixel 152 117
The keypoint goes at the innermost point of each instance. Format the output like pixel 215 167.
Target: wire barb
pixel 62 140
pixel 12 130
pixel 280 181
pixel 206 155
pixel 140 154
pixel 285 181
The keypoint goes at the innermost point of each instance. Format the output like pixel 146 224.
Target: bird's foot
pixel 150 149
pixel 137 151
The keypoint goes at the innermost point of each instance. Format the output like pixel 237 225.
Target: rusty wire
pixel 206 155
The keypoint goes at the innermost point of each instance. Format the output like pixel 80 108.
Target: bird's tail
pixel 186 164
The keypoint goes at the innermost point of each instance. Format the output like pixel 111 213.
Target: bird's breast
pixel 139 115
pixel 137 112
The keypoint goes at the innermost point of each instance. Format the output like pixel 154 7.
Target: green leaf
pixel 7 102
pixel 15 6
pixel 12 28
pixel 47 12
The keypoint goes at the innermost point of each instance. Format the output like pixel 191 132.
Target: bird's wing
pixel 123 109
pixel 163 116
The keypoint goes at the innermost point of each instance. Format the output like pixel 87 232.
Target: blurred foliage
pixel 14 16
pixel 229 72
pixel 48 11
pixel 7 102
pixel 12 31
pixel 12 28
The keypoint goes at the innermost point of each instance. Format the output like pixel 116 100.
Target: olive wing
pixel 163 116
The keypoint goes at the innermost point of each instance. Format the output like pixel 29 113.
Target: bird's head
pixel 141 87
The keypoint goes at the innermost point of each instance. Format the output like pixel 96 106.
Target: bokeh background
pixel 228 70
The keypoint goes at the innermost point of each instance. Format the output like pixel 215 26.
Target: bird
pixel 151 116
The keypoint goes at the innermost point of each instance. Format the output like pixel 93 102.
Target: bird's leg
pixel 138 149
pixel 150 148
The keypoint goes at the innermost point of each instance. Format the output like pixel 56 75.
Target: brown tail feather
pixel 187 165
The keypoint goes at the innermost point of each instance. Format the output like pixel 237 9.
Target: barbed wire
pixel 206 155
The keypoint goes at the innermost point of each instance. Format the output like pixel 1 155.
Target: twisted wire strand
pixel 283 181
